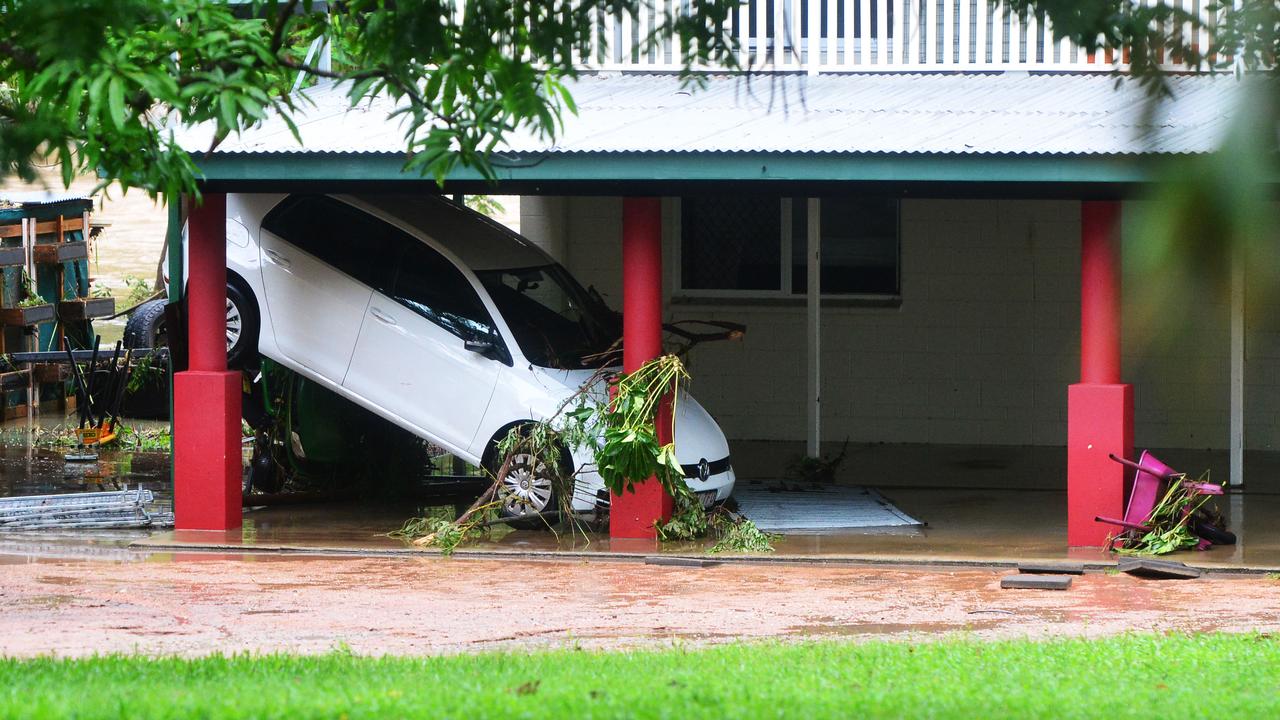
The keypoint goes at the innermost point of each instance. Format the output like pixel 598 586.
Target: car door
pixel 321 259
pixel 412 357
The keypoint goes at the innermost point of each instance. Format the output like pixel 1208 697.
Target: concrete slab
pixel 1159 569
pixel 1035 582
pixel 1051 568
pixel 675 561
pixel 968 528
pixel 985 507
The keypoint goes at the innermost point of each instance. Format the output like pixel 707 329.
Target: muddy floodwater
pixel 202 602
pixel 44 471
pixel 31 470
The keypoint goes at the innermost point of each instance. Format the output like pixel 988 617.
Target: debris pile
pixel 1167 511
pixel 119 509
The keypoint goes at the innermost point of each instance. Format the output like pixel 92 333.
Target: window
pixel 755 247
pixel 343 236
pixel 433 287
pixel 859 246
pixel 730 243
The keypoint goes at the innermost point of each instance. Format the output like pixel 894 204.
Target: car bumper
pixel 589 492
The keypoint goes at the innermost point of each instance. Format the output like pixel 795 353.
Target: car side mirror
pixel 489 345
pixel 595 296
pixel 480 345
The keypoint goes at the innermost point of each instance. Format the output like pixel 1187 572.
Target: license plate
pixel 707 498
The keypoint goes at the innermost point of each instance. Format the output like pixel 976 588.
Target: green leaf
pixel 567 97
pixel 68 166
pixel 227 110
pixel 251 107
pixel 115 99
pixel 96 94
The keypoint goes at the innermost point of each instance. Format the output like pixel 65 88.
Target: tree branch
pixel 414 96
pixel 277 36
pixel 21 56
pixel 330 74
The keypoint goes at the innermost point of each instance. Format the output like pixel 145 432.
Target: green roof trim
pixel 265 168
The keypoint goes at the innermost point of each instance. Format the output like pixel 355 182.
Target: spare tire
pixel 146 327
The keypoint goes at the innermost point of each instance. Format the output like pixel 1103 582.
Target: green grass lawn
pixel 1218 676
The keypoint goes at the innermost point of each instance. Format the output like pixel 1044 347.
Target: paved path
pixel 204 603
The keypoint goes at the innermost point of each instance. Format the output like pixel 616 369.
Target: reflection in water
pixel 41 471
pixel 29 470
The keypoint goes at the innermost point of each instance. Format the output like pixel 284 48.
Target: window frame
pixel 783 295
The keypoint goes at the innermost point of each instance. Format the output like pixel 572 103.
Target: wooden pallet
pixel 51 372
pixel 61 226
pixel 25 316
pixel 13 256
pixel 60 252
pixel 75 309
pixel 14 380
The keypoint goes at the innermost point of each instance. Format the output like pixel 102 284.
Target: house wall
pixel 981 349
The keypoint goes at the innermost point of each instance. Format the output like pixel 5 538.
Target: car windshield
pixel 557 323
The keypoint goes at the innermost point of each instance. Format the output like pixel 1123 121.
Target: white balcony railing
pixel 841 36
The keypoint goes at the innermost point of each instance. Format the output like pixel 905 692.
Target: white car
pixel 437 319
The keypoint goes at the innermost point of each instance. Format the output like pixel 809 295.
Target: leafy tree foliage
pixel 100 85
pixel 1244 34
pixel 1211 212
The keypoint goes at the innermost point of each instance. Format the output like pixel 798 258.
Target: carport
pixel 746 148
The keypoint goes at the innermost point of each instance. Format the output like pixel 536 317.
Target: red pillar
pixel 1099 407
pixel 632 515
pixel 206 397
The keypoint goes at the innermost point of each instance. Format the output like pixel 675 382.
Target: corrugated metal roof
pixel 40 197
pixel 1009 113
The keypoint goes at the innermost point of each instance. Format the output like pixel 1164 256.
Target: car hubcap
pixel 234 324
pixel 526 488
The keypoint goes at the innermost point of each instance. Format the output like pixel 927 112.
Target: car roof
pixel 480 243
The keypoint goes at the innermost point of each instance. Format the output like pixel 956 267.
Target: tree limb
pixel 277 35
pixel 21 56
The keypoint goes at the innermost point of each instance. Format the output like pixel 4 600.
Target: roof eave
pixel 243 171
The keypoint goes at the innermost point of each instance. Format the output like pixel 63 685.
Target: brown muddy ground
pixel 199 604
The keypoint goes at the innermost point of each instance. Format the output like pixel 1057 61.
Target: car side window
pixel 343 236
pixel 433 287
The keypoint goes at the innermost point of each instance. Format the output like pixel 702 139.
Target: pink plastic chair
pixel 1150 483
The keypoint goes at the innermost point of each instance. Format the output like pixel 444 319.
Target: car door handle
pixel 277 259
pixel 381 316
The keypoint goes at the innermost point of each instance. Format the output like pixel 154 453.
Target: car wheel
pixel 526 494
pixel 242 328
pixel 146 327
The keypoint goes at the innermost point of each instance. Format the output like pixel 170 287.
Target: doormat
pixel 800 509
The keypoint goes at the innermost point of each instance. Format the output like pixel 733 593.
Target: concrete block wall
pixel 1177 348
pixel 1262 350
pixel 980 351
